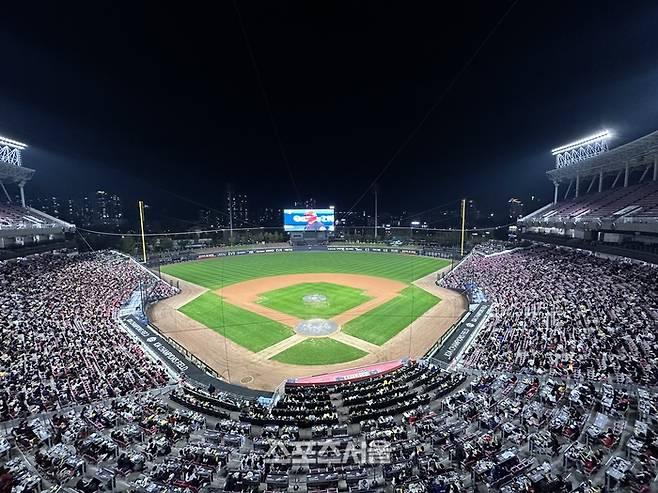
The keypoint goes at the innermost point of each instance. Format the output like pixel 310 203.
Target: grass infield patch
pixel 382 323
pixel 248 329
pixel 318 351
pixel 290 299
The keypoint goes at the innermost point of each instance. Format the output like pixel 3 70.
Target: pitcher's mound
pixel 316 327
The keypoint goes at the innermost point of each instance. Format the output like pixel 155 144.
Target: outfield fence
pixel 174 257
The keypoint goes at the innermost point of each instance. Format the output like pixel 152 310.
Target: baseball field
pixel 258 302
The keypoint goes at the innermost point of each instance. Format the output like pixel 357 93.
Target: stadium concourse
pixel 91 410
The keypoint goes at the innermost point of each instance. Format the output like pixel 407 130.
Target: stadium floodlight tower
pixel 584 148
pixel 11 166
pixel 10 151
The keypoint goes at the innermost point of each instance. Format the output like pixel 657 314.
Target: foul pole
pixel 375 213
pixel 230 213
pixel 141 225
pixel 463 226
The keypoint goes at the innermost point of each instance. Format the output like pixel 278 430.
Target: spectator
pixel 59 340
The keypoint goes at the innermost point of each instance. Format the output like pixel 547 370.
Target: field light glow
pixel 12 143
pixel 604 134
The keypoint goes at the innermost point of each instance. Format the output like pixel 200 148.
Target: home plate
pixel 316 327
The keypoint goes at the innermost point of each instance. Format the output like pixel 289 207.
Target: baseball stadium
pixel 261 295
pixel 320 364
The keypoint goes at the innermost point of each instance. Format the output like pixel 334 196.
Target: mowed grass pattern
pixel 290 299
pixel 218 272
pixel 319 351
pixel 248 329
pixel 382 323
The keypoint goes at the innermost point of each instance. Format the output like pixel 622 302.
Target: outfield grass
pixel 319 351
pixel 248 329
pixel 217 272
pixel 381 323
pixel 290 299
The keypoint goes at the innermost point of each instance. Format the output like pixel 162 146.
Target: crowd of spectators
pixel 493 432
pixel 59 340
pixel 557 316
pixel 564 313
pixel 493 246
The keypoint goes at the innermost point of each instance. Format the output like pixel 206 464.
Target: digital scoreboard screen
pixel 308 219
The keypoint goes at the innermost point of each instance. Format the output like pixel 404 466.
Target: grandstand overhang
pixel 636 154
pixel 11 174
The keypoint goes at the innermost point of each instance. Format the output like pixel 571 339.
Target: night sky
pixel 165 103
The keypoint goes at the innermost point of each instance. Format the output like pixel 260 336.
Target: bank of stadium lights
pixel 584 148
pixel 12 143
pixel 10 150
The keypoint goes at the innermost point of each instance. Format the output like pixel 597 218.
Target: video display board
pixel 308 219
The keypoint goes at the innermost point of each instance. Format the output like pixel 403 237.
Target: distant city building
pixel 87 212
pixel 237 206
pixel 472 210
pixel 107 209
pixel 71 212
pixel 104 209
pixel 49 205
pixel 533 204
pixel 211 219
pixel 56 206
pixel 203 216
pixel 305 204
pixel 353 218
pixel 270 217
pixel 515 208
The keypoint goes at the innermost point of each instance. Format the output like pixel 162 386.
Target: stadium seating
pixel 634 201
pixel 15 217
pixel 503 420
pixel 59 342
pixel 488 430
pixel 565 313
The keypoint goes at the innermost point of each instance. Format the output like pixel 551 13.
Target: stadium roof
pixel 10 173
pixel 638 153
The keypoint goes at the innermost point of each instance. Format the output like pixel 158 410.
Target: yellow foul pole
pixel 141 224
pixel 463 225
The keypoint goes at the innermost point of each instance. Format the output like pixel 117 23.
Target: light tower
pixel 584 148
pixel 10 151
pixel 579 150
pixel 13 172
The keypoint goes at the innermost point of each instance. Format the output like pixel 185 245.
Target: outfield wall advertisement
pixel 251 251
pixel 231 253
pixel 405 251
pixel 308 219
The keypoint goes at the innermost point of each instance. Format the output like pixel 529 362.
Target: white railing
pixel 24 225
